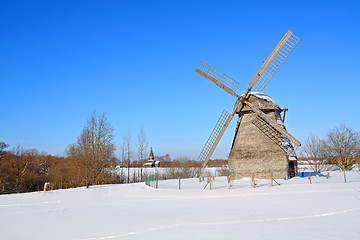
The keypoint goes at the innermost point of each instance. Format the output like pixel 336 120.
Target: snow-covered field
pixel 326 209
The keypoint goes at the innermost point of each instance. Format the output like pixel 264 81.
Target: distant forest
pixel 26 170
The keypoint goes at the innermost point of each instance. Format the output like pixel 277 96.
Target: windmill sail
pixel 274 124
pixel 274 135
pixel 215 137
pixel 278 60
pixel 219 78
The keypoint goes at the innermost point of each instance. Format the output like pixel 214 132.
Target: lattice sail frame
pixel 214 134
pixel 276 63
pixel 274 135
pixel 216 76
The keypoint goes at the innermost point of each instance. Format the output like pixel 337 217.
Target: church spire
pixel 151 156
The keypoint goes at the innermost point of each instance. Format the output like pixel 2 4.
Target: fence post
pixel 179 183
pixel 253 180
pixel 230 183
pixel 271 180
pixel 157 182
pixel 310 176
pixel 344 175
pixel 210 180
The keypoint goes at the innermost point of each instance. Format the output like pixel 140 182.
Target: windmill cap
pixel 261 101
pixel 265 97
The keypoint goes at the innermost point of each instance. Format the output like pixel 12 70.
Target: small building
pixel 151 162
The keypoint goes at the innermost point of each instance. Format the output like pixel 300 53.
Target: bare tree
pixel 127 153
pixel 3 170
pixel 314 152
pixel 343 144
pixel 3 146
pixel 123 161
pixel 2 152
pixel 142 146
pixel 19 164
pixel 93 151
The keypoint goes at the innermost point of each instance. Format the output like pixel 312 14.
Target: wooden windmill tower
pixel 261 142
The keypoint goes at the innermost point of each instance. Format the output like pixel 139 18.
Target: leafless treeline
pixel 25 170
pixel 89 161
pixel 341 146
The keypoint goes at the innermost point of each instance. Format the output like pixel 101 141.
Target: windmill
pixel 261 141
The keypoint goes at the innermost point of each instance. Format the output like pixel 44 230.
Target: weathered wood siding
pixel 253 151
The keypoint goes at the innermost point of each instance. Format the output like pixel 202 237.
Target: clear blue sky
pixel 136 61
